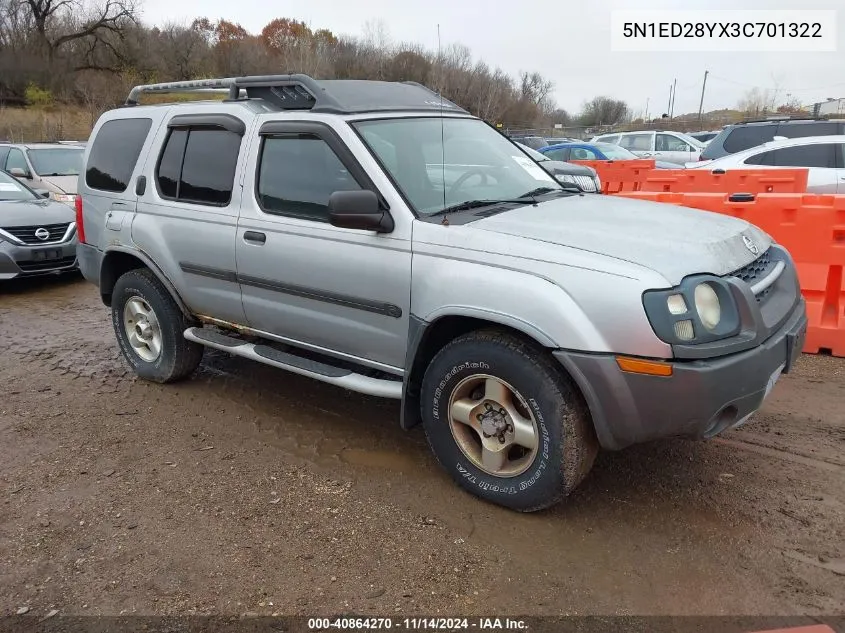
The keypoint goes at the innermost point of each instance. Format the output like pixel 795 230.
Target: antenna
pixel 442 131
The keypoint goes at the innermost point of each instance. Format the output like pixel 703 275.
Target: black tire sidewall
pixel 542 483
pixel 131 285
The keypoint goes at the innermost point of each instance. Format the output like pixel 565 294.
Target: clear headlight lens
pixel 707 305
pixel 62 197
pixel 676 304
pixel 566 178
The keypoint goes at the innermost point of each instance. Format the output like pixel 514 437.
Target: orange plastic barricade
pixel 812 228
pixel 620 175
pixel 731 181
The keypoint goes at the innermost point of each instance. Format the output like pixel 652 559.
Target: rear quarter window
pixel 745 137
pixel 115 152
pixel 800 130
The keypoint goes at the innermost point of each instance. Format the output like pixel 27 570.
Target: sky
pixel 567 42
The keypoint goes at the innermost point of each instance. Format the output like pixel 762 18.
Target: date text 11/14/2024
pixel 417 624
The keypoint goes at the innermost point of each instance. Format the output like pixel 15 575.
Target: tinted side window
pixel 800 130
pixel 297 174
pixel 582 153
pixel 114 153
pixel 820 155
pixel 198 165
pixel 558 154
pixel 169 168
pixel 763 158
pixel 748 136
pixel 208 170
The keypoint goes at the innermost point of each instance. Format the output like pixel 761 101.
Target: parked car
pixel 522 324
pixel 672 147
pixel 741 136
pixel 579 150
pixel 37 235
pixel 559 139
pixel 704 137
pixel 534 142
pixel 585 178
pixel 823 156
pixel 51 166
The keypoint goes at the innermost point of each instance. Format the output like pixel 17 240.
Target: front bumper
pixel 701 398
pixel 30 261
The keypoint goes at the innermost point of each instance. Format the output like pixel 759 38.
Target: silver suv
pixel 376 237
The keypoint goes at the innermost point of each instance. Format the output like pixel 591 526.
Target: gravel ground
pixel 249 490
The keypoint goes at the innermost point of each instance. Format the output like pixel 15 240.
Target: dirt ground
pixel 250 490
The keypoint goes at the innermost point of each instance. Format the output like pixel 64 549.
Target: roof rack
pixel 301 92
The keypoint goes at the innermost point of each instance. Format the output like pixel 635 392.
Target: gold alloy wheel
pixel 493 425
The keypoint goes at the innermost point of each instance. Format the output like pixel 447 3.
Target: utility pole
pixel 701 103
pixel 645 116
pixel 672 105
pixel 669 107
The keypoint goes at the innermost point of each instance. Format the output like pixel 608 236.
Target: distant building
pixel 829 107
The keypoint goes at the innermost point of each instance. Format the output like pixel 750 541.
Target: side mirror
pixel 18 172
pixel 359 210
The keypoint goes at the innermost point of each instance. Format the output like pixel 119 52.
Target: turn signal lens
pixel 640 366
pixel 676 304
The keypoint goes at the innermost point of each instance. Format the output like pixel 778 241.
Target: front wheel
pixel 150 328
pixel 506 422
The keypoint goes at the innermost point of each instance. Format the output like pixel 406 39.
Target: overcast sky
pixel 568 42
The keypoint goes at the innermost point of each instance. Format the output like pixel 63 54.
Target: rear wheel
pixel 150 328
pixel 506 422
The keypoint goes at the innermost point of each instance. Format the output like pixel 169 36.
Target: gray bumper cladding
pixel 700 399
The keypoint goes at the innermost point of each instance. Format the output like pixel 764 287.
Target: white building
pixel 829 107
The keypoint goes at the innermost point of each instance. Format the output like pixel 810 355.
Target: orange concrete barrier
pixel 812 228
pixel 732 181
pixel 640 175
pixel 620 175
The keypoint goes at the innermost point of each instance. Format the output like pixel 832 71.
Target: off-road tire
pixel 178 357
pixel 567 441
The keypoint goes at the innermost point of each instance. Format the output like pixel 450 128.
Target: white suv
pixel 672 147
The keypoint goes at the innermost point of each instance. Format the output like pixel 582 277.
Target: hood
pixel 67 184
pixel 670 240
pixel 14 213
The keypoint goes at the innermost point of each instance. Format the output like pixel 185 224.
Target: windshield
pixel 11 189
pixel 533 153
pixel 59 161
pixel 615 152
pixel 438 163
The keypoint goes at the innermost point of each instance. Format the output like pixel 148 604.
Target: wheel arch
pixel 118 261
pixel 427 337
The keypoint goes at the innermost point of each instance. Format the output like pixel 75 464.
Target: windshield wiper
pixel 475 204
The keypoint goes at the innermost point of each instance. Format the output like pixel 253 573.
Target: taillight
pixel 80 226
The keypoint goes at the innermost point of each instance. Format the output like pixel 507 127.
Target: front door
pixel 674 149
pixel 340 291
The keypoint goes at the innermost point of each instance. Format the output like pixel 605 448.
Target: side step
pixel 338 376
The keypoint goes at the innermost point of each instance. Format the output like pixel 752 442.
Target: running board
pixel 338 376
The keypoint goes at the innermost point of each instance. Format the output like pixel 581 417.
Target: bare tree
pixel 603 111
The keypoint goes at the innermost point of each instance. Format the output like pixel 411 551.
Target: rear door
pixel 674 149
pixel 188 212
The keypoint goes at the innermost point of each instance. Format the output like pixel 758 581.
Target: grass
pixel 20 125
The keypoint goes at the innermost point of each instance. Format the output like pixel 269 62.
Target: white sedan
pixel 823 156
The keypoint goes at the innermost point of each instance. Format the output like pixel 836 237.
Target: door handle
pixel 254 237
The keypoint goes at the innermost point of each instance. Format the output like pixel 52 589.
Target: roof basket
pixel 301 92
pixel 288 92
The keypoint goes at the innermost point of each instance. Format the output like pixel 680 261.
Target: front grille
pixel 26 234
pixel 50 264
pixel 586 183
pixel 756 270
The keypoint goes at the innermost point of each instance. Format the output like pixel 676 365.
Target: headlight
pixel 566 178
pixel 707 305
pixel 63 197
pixel 702 309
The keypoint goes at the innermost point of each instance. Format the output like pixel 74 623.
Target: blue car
pixel 595 151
